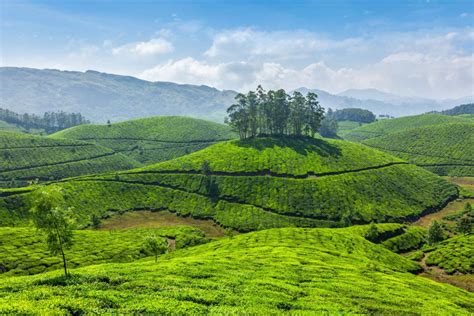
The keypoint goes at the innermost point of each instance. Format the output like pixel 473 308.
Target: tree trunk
pixel 64 263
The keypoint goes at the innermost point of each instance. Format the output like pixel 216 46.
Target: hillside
pixel 24 250
pixel 101 97
pixel 275 271
pixel 7 127
pixel 389 126
pixel 26 157
pixel 154 139
pixel 260 183
pixel 446 149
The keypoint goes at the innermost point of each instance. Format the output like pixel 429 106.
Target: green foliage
pixel 435 233
pixel 460 109
pixel 152 139
pixel 278 271
pixel 413 237
pixel 26 157
pixel 354 115
pixel 261 183
pixel 444 149
pixel 275 113
pixel 389 126
pixel 50 121
pixel 55 221
pixel 372 233
pixel 24 251
pixel 329 126
pixel 156 245
pixel 455 254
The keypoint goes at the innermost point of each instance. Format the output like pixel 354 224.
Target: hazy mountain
pixel 381 102
pixel 101 96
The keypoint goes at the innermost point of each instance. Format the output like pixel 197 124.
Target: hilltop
pixel 446 149
pixel 261 183
pixel 389 126
pixel 269 272
pixel 27 157
pixel 154 139
pixel 101 96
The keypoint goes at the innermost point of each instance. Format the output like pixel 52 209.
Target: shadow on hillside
pixel 302 145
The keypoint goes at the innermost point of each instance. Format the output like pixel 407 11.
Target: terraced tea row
pixel 269 272
pixel 446 149
pixel 24 250
pixel 380 192
pixel 389 126
pixel 26 157
pixel 154 139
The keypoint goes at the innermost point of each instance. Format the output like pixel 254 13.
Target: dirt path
pixel 464 281
pixel 451 208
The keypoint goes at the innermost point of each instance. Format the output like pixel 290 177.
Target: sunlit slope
pixel 24 250
pixel 153 139
pixel 26 157
pixel 261 183
pixel 300 271
pixel 446 149
pixel 388 126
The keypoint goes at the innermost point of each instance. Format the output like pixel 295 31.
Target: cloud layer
pixel 429 63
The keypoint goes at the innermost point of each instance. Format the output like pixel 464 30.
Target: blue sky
pixel 416 48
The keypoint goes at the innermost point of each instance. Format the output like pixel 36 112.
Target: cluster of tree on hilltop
pixel 275 113
pixel 50 121
pixel 355 115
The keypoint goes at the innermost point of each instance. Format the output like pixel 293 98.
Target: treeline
pixel 275 113
pixel 50 121
pixel 460 109
pixel 355 115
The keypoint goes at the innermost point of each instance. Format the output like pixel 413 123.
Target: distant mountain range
pixel 101 96
pixel 381 102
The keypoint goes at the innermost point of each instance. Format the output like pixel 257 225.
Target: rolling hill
pixel 446 149
pixel 388 126
pixel 101 97
pixel 24 251
pixel 7 127
pixel 154 139
pixel 257 184
pixel 277 271
pixel 26 157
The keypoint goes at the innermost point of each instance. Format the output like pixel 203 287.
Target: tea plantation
pixel 258 184
pixel 388 126
pixel 277 271
pixel 24 250
pixel 453 255
pixel 446 149
pixel 26 157
pixel 153 139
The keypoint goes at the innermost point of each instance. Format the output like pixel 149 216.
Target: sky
pixel 411 48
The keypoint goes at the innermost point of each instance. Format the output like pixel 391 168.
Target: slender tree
pixel 55 221
pixel 155 245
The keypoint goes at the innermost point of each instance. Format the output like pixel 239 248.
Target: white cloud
pixel 255 44
pixel 156 46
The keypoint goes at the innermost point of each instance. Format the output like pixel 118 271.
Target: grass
pixel 27 157
pixel 466 184
pixel 443 149
pixel 389 126
pixel 260 184
pixel 153 139
pixel 24 250
pixel 148 219
pixel 278 271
